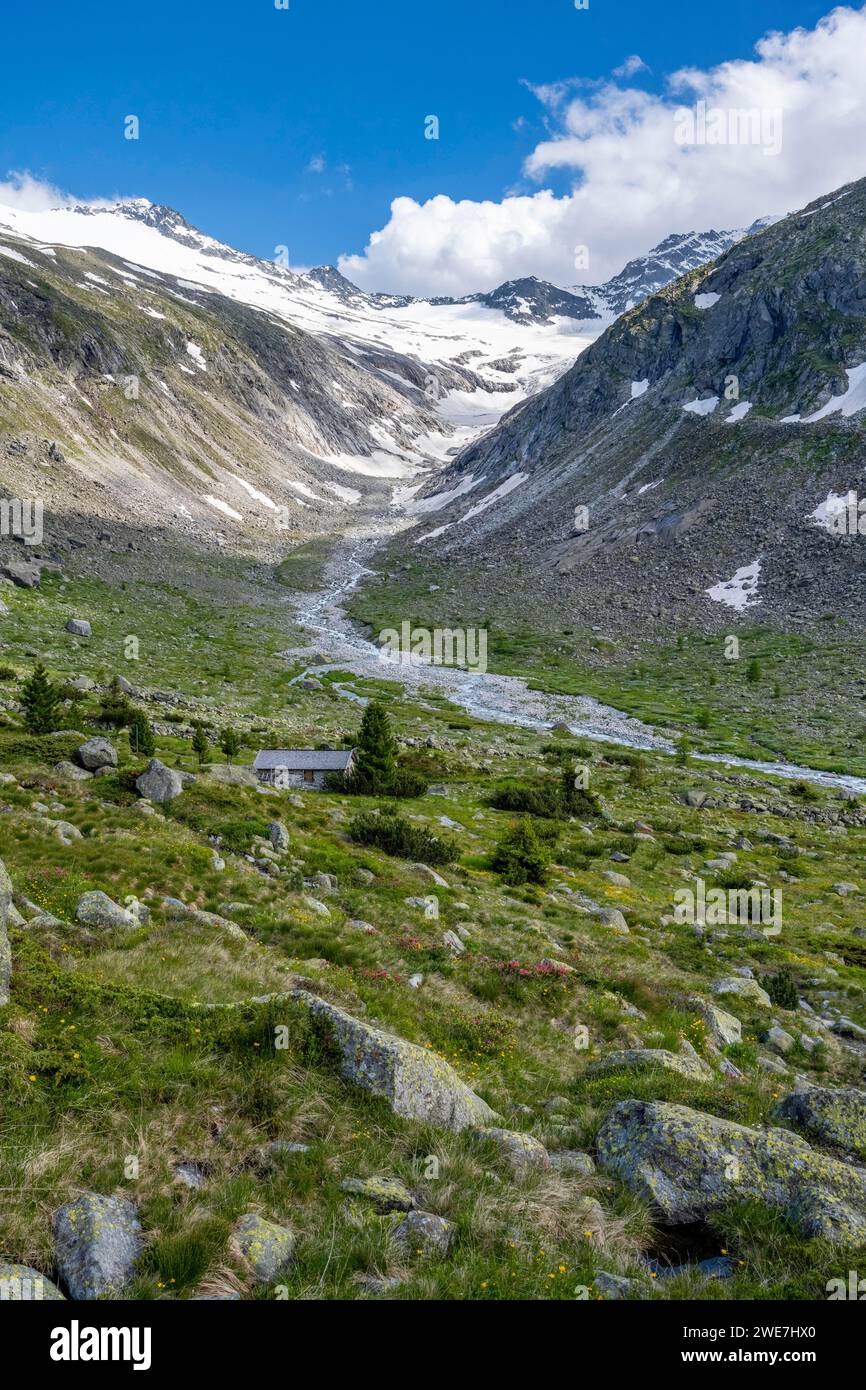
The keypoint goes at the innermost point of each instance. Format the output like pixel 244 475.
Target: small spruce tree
pixel 375 766
pixel 230 744
pixel 141 739
pixel 520 856
pixel 200 745
pixel 39 700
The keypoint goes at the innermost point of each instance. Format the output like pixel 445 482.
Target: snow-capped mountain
pixel 262 390
pixel 687 464
pixel 673 257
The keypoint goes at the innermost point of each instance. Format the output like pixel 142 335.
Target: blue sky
pixel 236 100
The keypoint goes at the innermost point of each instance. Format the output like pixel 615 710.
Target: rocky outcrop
pixel 521 1152
pixel 686 1064
pixel 688 1165
pixel 96 909
pixel 417 1084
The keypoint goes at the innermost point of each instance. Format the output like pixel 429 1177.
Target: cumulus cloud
pixel 768 134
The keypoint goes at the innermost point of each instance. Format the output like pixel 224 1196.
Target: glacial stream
pixel 485 695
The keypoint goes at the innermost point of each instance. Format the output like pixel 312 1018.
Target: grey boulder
pixel 98 1241
pixel 96 752
pixel 159 783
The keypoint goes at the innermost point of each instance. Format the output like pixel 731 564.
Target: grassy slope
pixel 107 1051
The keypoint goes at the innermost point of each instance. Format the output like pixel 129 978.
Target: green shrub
pixel 782 988
pixel 395 835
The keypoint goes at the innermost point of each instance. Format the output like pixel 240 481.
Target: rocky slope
pixel 699 445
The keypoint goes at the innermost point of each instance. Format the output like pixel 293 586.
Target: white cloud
pixel 633 64
pixel 632 182
pixel 22 190
pixel 316 164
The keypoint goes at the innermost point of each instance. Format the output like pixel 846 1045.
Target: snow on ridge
pixel 850 402
pixel 706 301
pixel 741 591
pixel 222 507
pixel 254 493
pixel 502 491
pixel 739 412
pixel 422 505
pixel 704 407
pixel 197 355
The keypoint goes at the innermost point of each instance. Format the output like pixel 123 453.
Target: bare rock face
pixel 688 1164
pixel 418 1084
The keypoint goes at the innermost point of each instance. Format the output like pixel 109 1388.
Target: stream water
pixel 485 695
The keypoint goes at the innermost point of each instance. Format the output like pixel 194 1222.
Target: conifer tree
pixel 375 766
pixel 200 745
pixel 39 700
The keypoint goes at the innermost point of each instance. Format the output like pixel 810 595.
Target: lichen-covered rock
pixel 21 1284
pixel 572 1163
pixel 71 772
pixel 159 783
pixel 689 1164
pixel 778 1039
pixel 97 752
pixel 278 835
pixel 417 1083
pixel 267 1247
pixel 386 1194
pixel 422 1233
pixel 521 1152
pixel 836 1117
pixel 746 988
pixel 96 909
pixel 642 1057
pixel 429 905
pixel 722 1027
pixel 5 948
pixel 317 906
pixel 98 1240
pixel 79 627
pixel 612 1286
